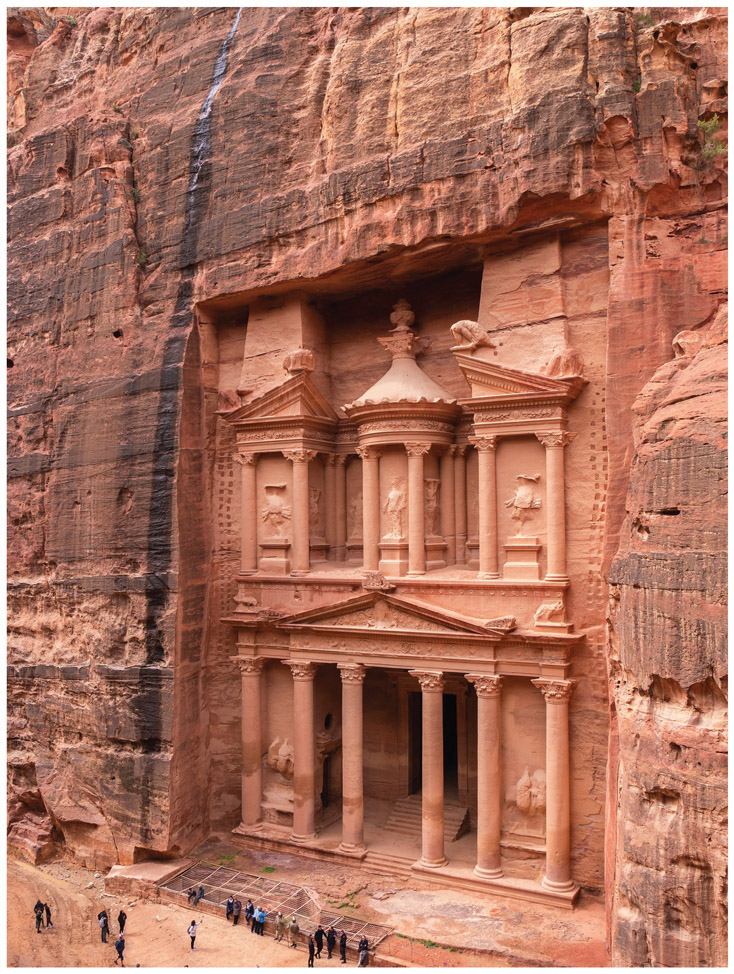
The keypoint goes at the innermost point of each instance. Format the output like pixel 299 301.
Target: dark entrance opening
pixel 325 787
pixel 450 747
pixel 415 742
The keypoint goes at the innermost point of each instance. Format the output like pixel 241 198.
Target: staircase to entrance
pixel 406 818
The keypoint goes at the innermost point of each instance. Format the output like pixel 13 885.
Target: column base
pixel 420 571
pixel 303 839
pixel 556 578
pixel 248 571
pixel 488 575
pixel 483 873
pixel 433 863
pixel 299 572
pixel 247 829
pixel 355 850
pixel 564 887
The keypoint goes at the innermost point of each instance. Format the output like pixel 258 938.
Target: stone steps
pixel 381 862
pixel 406 818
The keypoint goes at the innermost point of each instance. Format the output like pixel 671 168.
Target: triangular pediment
pixel 297 397
pixel 377 611
pixel 497 382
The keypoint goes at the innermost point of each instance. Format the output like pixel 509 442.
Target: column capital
pixel 559 438
pixel 417 449
pixel 555 691
pixel 301 669
pixel 249 664
pixel 329 460
pixel 368 452
pixel 484 443
pixel 351 672
pixel 449 451
pixel 431 682
pixel 339 459
pixel 245 459
pixel 486 685
pixel 460 449
pixel 299 456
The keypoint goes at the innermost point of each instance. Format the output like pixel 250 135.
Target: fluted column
pixel 248 525
pixel 486 449
pixel 330 501
pixel 303 750
pixel 558 785
pixel 448 503
pixel 370 507
pixel 432 854
pixel 416 506
pixel 555 498
pixel 352 675
pixel 489 775
pixel 460 502
pixel 340 505
pixel 300 561
pixel 252 749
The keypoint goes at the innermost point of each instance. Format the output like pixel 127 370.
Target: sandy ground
pixel 423 919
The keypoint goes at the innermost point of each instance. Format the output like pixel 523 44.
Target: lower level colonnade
pixel 488 689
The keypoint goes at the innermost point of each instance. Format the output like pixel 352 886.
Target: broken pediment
pixel 380 611
pixel 497 383
pixel 297 397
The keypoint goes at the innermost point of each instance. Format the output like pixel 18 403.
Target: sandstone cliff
pixel 337 136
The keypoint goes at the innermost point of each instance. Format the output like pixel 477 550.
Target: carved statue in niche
pixel 524 501
pixel 354 518
pixel 430 507
pixel 527 804
pixel 301 360
pixel 550 611
pixel 469 335
pixel 394 508
pixel 275 514
pixel 314 511
pixel 278 783
pixel 280 758
pixel 565 361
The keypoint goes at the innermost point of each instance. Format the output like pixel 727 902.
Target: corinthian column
pixel 558 789
pixel 252 750
pixel 248 523
pixel 432 854
pixel 370 507
pixel 448 504
pixel 555 491
pixel 416 522
pixel 487 455
pixel 303 750
pixel 352 675
pixel 340 505
pixel 489 775
pixel 330 502
pixel 300 549
pixel 460 502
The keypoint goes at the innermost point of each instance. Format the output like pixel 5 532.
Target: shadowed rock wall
pixel 337 136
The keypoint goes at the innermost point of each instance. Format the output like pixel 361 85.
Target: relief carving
pixel 430 682
pixel 280 758
pixel 430 507
pixel 417 449
pixel 550 611
pixel 394 508
pixel 278 783
pixel 299 456
pixel 525 804
pixel 376 582
pixel 301 360
pixel 565 362
pixel 555 439
pixel 275 514
pixel 354 518
pixel 314 512
pixel 245 459
pixel 469 335
pixel 524 501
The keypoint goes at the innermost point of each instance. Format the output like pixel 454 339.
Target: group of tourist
pixel 43 915
pixel 104 926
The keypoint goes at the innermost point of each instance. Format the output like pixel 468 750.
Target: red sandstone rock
pixel 363 148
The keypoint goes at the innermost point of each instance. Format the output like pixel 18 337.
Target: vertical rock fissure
pixel 160 514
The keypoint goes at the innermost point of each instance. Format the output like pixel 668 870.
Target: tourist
pixel 104 924
pixel 38 910
pixel 293 931
pixel 311 950
pixel 279 926
pixel 191 894
pixel 122 920
pixel 363 952
pixel 230 906
pixel 330 941
pixel 236 910
pixel 120 947
pixel 319 938
pixel 253 923
pixel 199 895
pixel 193 927
pixel 47 908
pixel 343 947
pixel 261 914
pixel 249 910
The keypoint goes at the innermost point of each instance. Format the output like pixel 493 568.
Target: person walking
pixel 249 910
pixel 199 895
pixel 343 947
pixel 261 914
pixel 120 948
pixel 193 927
pixel 293 931
pixel 330 941
pixel 104 925
pixel 230 906
pixel 38 910
pixel 311 950
pixel 319 938
pixel 122 920
pixel 279 926
pixel 236 910
pixel 47 910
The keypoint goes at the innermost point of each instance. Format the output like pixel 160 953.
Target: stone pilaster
pixel 370 507
pixel 555 493
pixel 300 560
pixel 460 503
pixel 487 455
pixel 448 503
pixel 248 522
